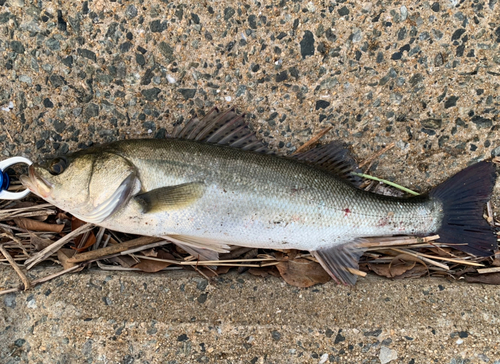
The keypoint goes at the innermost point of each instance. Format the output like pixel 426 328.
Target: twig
pixel 113 249
pixel 20 273
pixel 427 260
pixel 313 140
pixel 42 255
pixel 489 270
pixel 370 160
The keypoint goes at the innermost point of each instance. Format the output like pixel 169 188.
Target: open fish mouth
pixel 36 183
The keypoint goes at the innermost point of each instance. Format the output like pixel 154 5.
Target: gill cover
pixel 112 182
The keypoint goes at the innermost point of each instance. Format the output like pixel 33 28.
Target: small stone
pixel 167 51
pixel 17 47
pixel 86 53
pixel 59 126
pixel 91 110
pixel 307 44
pixel 202 298
pixel 157 27
pixel 457 34
pixel 188 93
pixel 68 61
pixel 19 342
pixel 25 79
pixel 139 58
pixel 125 47
pixel 151 94
pixel 431 123
pixel 482 122
pixel 48 103
pixel 53 44
pixel 343 11
pixel 276 335
pixel 322 104
pixel 131 11
pixel 10 300
pixel 435 7
pixel 182 337
pixel 387 355
pixel 228 13
pixel 282 76
pixel 451 102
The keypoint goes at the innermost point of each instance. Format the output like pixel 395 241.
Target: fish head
pixel 90 185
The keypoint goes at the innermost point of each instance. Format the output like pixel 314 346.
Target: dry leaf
pixel 302 273
pixel 152 266
pixel 400 264
pixel 416 272
pixel 264 271
pixel 223 269
pixel 34 225
pixel 491 278
pixel 91 240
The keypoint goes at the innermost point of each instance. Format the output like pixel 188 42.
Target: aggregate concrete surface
pixel 178 317
pixel 424 75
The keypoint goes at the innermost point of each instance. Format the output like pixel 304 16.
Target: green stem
pixel 367 176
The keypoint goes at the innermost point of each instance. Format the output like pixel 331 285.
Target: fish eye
pixel 58 165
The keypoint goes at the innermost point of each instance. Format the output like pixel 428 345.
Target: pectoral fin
pixel 340 259
pixel 170 197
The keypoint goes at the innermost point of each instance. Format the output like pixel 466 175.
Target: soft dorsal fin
pixel 226 128
pixel 333 157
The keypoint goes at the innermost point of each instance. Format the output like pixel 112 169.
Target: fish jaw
pixel 36 182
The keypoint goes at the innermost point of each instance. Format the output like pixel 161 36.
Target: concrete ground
pixel 180 317
pixel 424 75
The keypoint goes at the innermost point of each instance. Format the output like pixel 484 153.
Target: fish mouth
pixel 36 183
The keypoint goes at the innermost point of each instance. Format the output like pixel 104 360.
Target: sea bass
pixel 216 185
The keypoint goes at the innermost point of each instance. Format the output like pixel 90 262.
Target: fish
pixel 214 184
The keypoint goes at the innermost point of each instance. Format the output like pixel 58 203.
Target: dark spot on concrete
pixel 307 44
pixel 151 94
pixel 188 93
pixel 322 104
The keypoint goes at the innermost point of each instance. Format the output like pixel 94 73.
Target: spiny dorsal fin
pixel 226 128
pixel 333 157
pixel 170 197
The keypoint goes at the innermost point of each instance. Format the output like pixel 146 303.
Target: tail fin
pixel 463 197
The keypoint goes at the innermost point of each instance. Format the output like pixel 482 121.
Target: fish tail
pixel 463 198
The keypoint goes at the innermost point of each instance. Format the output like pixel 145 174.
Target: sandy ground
pixel 424 75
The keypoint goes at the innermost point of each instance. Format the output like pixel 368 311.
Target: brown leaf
pixel 223 269
pixel 152 266
pixel 260 272
pixel 302 272
pixel 490 278
pixel 34 225
pixel 401 264
pixel 91 240
pixel 416 272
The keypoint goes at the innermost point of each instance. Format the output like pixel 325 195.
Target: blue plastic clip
pixel 5 180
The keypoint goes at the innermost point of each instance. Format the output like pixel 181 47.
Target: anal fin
pixel 339 259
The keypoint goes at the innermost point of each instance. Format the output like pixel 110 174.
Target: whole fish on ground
pixel 216 185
